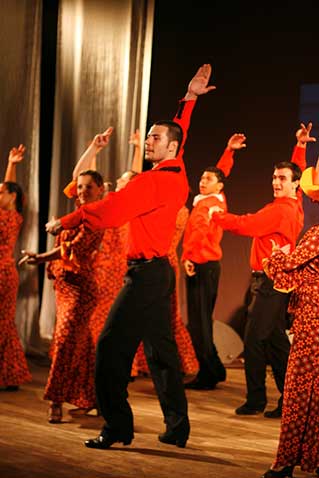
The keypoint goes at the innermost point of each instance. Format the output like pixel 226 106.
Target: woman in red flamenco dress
pixel 71 375
pixel 13 365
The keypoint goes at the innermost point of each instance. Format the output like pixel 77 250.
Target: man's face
pixel 209 183
pixel 282 183
pixel 88 190
pixel 157 146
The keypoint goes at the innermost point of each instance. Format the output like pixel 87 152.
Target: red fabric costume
pixel 152 225
pixel 281 220
pixel 109 267
pixel 202 238
pixel 299 272
pixel 13 365
pixel 71 376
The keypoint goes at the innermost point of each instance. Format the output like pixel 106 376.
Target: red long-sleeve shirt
pixel 202 238
pixel 149 202
pixel 281 220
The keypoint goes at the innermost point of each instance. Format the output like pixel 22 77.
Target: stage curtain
pixel 102 79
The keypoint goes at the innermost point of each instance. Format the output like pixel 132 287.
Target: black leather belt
pixel 143 260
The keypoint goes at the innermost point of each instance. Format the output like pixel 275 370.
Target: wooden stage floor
pixel 221 445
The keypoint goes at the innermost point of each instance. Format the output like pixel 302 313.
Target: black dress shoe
pixel 12 388
pixel 285 472
pixel 176 436
pixel 199 385
pixel 246 410
pixel 276 413
pixel 104 442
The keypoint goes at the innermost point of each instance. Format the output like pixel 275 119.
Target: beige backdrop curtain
pixel 103 71
pixel 20 47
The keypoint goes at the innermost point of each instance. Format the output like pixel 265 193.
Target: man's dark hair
pixel 174 133
pixel 97 177
pixel 294 168
pixel 15 188
pixel 221 178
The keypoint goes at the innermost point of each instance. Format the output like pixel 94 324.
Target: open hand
pixel 198 84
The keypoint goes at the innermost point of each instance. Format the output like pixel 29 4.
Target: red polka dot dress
pixel 110 267
pixel 13 365
pixel 71 376
pixel 299 273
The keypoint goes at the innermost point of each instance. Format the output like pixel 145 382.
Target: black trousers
pixel 142 311
pixel 265 341
pixel 201 297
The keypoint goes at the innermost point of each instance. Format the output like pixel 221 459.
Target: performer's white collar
pixel 199 197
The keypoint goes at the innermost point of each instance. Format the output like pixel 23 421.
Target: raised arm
pixel 197 86
pixel 199 83
pixel 303 138
pixel 137 163
pixel 226 161
pixel 87 160
pixel 15 156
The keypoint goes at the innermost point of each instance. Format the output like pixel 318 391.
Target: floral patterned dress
pixel 110 267
pixel 186 352
pixel 299 273
pixel 71 376
pixel 13 366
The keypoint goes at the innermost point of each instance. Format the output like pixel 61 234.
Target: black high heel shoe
pixel 285 472
pixel 176 436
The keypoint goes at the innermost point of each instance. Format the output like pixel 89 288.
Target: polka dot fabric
pixel 71 376
pixel 299 272
pixel 13 365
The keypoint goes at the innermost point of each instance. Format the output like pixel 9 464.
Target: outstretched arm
pixel 34 259
pixel 87 160
pixel 15 157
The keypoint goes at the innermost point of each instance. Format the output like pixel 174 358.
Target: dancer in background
pixel 110 264
pixel 282 220
pixel 13 365
pixel 71 375
pixel 201 258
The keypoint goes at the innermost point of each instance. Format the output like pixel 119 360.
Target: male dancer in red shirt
pixel 142 310
pixel 282 220
pixel 201 257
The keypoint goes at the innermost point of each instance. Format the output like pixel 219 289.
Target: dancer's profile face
pixel 87 189
pixel 7 199
pixel 209 183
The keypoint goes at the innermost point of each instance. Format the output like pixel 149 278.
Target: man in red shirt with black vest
pixel 281 221
pixel 201 258
pixel 142 310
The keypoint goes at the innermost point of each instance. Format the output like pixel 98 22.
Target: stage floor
pixel 221 444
